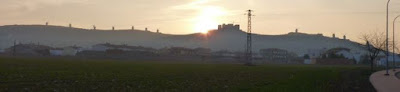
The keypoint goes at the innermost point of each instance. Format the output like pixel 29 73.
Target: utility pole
pixel 387 38
pixel 394 44
pixel 249 56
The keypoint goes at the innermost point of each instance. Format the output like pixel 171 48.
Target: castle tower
pixel 94 27
pixel 228 27
pixel 333 35
pixel 146 29
pixel 297 31
pixel 113 28
pixel 133 28
pixel 70 25
pixel 158 31
pixel 344 37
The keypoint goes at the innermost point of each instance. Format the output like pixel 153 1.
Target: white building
pixel 67 51
pixel 70 51
pixel 382 61
pixel 56 52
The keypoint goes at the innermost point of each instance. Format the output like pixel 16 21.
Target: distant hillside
pixel 234 40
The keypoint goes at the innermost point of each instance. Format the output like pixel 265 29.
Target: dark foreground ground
pixel 29 74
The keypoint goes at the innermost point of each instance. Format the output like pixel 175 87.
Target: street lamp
pixel 394 45
pixel 387 38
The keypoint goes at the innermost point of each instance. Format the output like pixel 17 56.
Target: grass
pixel 29 74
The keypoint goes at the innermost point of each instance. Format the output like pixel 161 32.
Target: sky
pixel 272 17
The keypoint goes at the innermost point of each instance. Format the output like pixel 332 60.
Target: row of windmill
pixel 113 28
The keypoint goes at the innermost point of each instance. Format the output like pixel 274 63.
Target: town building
pixel 315 53
pixel 382 60
pixel 107 46
pixel 124 47
pixel 28 50
pixel 66 51
pixel 71 51
pixel 180 51
pixel 202 51
pixel 277 55
pixel 56 52
pixel 224 53
pixel 337 56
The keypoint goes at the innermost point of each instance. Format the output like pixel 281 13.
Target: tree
pixel 375 44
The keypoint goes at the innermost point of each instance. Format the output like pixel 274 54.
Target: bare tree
pixel 375 44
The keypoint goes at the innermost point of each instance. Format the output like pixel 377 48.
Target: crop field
pixel 51 74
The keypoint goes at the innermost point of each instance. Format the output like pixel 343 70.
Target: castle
pixel 226 27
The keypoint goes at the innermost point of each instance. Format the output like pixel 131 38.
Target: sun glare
pixel 204 26
pixel 208 19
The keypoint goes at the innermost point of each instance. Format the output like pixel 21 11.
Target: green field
pixel 17 74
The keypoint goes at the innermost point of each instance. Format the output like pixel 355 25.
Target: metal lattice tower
pixel 249 56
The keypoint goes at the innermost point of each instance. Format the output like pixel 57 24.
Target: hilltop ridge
pixel 221 39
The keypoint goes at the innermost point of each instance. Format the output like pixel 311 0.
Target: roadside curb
pixel 384 83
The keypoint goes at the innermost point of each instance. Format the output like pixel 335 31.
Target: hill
pixel 227 39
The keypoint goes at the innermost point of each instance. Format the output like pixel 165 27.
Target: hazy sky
pixel 350 17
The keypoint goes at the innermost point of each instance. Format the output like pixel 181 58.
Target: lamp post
pixel 394 44
pixel 387 38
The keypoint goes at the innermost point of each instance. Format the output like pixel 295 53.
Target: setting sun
pixel 205 25
pixel 208 19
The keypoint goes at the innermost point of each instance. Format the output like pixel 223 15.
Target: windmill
pixel 94 27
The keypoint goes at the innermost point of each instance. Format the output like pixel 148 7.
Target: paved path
pixel 384 83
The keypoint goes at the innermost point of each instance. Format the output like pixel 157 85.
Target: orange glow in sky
pixel 273 17
pixel 207 19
